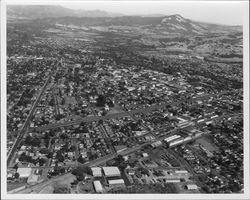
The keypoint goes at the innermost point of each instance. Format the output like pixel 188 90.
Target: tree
pixel 46 136
pixel 28 139
pixel 61 190
pixel 101 101
pixel 80 178
pixel 119 159
pixel 122 166
pixel 76 172
pixel 144 171
pixel 110 162
pixel 16 166
pixel 62 170
pixel 17 175
pixel 49 155
pixel 56 169
pixel 44 151
pixel 52 102
pixel 170 188
pixel 64 136
pixel 63 101
pixel 81 159
pixel 206 189
pixel 42 161
pixel 110 103
pixel 82 170
pixel 72 148
pixel 87 170
pixel 59 156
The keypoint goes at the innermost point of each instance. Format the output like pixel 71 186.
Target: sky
pixel 224 12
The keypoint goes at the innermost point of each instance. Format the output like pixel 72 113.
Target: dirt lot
pixel 207 143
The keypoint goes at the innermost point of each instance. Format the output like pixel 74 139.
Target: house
pixel 145 155
pixel 181 171
pixel 173 180
pixel 131 171
pixel 191 187
pixel 125 158
pixel 156 144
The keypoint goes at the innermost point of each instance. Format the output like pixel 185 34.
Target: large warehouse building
pixel 111 171
pixel 98 186
pixel 96 171
pixel 24 172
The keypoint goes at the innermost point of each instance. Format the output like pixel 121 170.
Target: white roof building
pixel 181 171
pixel 98 186
pixel 33 178
pixel 125 158
pixel 24 172
pixel 111 171
pixel 173 180
pixel 156 144
pixel 96 171
pixel 116 182
pixel 145 155
pixel 192 187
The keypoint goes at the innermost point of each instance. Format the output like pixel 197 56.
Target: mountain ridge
pixel 44 11
pixel 162 23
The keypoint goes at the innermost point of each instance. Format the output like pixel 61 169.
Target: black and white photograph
pixel 125 99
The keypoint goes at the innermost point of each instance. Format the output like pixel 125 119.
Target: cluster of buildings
pixel 111 175
pixel 130 101
pixel 29 72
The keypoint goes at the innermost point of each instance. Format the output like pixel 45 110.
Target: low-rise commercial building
pixel 111 171
pixel 24 172
pixel 98 186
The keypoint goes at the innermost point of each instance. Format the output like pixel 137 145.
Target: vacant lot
pixel 207 143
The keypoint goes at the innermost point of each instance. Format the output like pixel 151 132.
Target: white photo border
pixel 4 194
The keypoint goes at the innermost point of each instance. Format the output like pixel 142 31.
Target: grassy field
pixel 70 100
pixel 114 110
pixel 47 190
pixel 66 180
pixel 12 186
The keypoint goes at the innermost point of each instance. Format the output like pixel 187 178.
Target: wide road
pixel 26 123
pixel 110 116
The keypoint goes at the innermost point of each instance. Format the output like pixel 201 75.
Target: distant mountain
pixel 174 24
pixel 178 23
pixel 152 15
pixel 48 11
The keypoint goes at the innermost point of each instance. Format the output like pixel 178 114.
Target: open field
pixel 205 141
